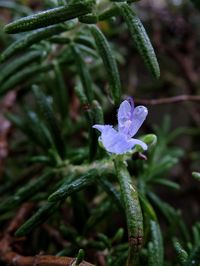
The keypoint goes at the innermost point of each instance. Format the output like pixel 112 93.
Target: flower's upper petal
pixel 125 116
pixel 130 119
pixel 124 112
pixel 139 115
pixel 139 142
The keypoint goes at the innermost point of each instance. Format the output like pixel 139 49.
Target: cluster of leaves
pixel 58 61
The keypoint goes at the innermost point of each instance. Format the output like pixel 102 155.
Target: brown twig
pixel 21 215
pixel 13 259
pixel 55 235
pixel 10 257
pixel 101 258
pixel 175 99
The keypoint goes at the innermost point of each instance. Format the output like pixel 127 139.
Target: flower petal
pixel 130 119
pixel 124 112
pixel 114 141
pixel 101 128
pixel 139 142
pixel 125 116
pixel 139 115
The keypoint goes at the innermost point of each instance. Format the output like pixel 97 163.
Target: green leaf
pixel 117 238
pixel 194 258
pixel 23 76
pixel 73 186
pixel 196 233
pixel 83 73
pixel 149 139
pixel 196 175
pixel 182 255
pixel 38 218
pixel 61 93
pixel 9 69
pixel 94 116
pixel 88 19
pixel 167 183
pixel 93 137
pixel 109 63
pixel 79 258
pixel 88 51
pixel 83 91
pixel 147 208
pixel 25 192
pixel 111 12
pixel 140 38
pixel 98 113
pixel 155 247
pixel 51 120
pixel 85 40
pixel 32 38
pixel 50 17
pixel 32 127
pixel 81 94
pixel 59 39
pixel 132 208
pixel 111 191
pixel 38 130
pixel 98 215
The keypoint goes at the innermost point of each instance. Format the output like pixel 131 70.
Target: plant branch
pixel 169 100
pixel 133 211
pixel 12 258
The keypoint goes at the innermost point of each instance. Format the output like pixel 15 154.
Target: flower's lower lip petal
pixel 101 128
pixel 139 142
pixel 116 142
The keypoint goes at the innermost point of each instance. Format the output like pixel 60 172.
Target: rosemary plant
pixel 92 187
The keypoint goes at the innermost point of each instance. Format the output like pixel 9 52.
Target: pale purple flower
pixel 130 120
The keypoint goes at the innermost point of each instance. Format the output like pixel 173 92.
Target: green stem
pixel 132 209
